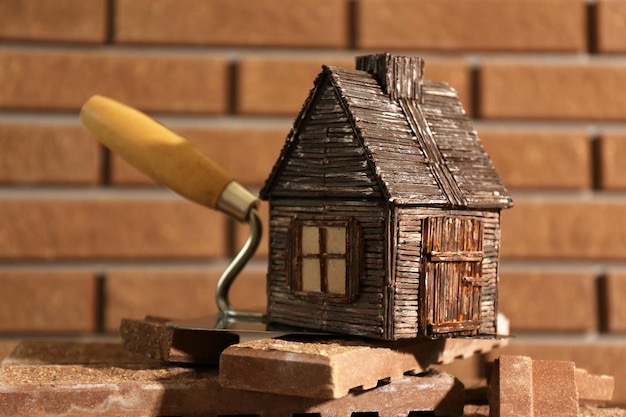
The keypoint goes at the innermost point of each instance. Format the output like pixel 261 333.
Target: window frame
pixel 352 256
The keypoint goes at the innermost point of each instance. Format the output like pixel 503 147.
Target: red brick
pixel 279 85
pixel 531 158
pixel 481 25
pixel 594 389
pixel 176 293
pixel 610 28
pixel 64 79
pixel 596 356
pixel 612 153
pixel 247 153
pixel 108 226
pixel 614 292
pixel 47 153
pixel 549 301
pixel 47 301
pixel 268 23
pixel 552 89
pixel 564 228
pixel 554 389
pixel 54 21
pixel 511 388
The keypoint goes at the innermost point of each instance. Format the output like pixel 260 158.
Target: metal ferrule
pixel 236 201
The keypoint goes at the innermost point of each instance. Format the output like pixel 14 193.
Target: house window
pixel 325 258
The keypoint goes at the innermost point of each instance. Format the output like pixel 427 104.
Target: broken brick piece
pixel 330 368
pixel 511 392
pixel 521 386
pixel 594 390
pixel 143 388
pixel 150 337
pixel 554 389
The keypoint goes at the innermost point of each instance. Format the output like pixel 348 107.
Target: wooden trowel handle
pixel 167 158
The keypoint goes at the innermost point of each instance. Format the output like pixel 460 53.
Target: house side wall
pixel 363 316
pixel 408 262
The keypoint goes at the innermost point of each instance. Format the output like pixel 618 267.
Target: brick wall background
pixel 85 240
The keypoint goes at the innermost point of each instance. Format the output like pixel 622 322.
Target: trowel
pixel 175 163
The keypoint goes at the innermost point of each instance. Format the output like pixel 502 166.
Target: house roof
pixel 422 147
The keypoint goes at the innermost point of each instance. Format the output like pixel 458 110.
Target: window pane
pixel 310 240
pixel 336 270
pixel 311 280
pixel 336 240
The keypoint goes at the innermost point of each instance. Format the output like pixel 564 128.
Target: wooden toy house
pixel 384 209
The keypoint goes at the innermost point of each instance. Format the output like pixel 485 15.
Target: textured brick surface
pixel 549 301
pixel 594 389
pixel 610 28
pixel 113 228
pixel 104 380
pixel 247 153
pixel 614 291
pixel 554 389
pixel 564 228
pixel 487 25
pixel 47 301
pixel 59 20
pixel 328 368
pixel 70 155
pixel 511 387
pixel 64 79
pixel 181 293
pixel 612 153
pixel 597 357
pixel 280 23
pixel 279 85
pixel 533 158
pixel 515 89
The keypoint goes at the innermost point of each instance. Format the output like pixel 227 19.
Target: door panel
pixel 451 275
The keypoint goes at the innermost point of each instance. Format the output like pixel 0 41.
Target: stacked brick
pixel 85 240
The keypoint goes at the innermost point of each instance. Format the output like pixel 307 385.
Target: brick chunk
pixel 511 391
pixel 596 390
pixel 554 389
pixel 521 386
pixel 330 368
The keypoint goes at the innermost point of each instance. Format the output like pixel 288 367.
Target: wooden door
pixel 450 287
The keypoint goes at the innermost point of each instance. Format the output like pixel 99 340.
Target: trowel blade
pixel 244 330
